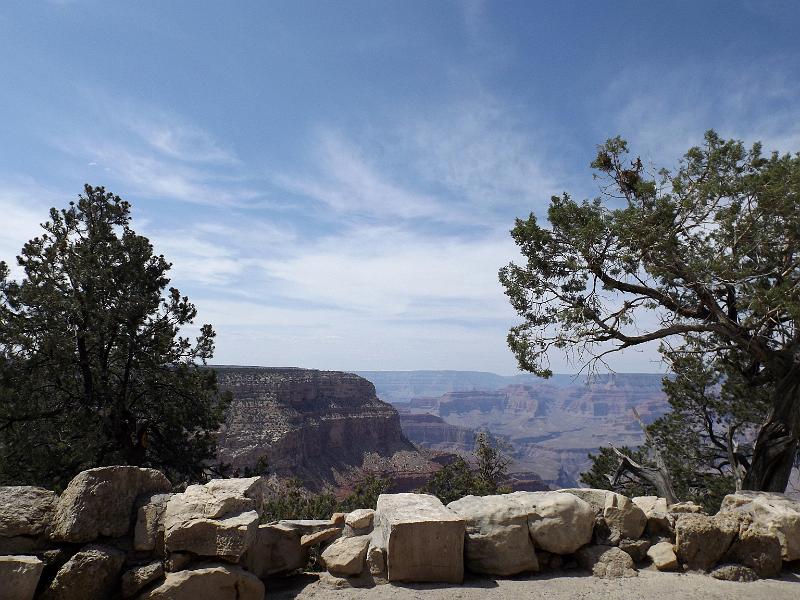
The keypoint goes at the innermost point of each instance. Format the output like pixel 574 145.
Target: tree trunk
pixel 777 442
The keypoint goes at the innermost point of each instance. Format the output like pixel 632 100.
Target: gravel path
pixel 561 586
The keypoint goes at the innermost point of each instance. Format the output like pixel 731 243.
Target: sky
pixel 334 182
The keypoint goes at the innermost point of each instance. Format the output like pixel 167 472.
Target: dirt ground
pixel 553 586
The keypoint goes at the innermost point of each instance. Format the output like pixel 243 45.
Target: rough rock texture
pixel 606 562
pixel 376 560
pixel 138 578
pixel 776 513
pixel 100 502
pixel 360 518
pixel 701 541
pixel 317 537
pixel 663 556
pixel 659 521
pixel 25 510
pixel 92 574
pixel 423 540
pixel 227 537
pixel 558 523
pixel 149 531
pixel 316 425
pixel 208 582
pixel 758 549
pixel 497 538
pixel 275 549
pixel 19 576
pixel 622 517
pixel 734 573
pixel 346 556
pixel 686 507
pixel 637 549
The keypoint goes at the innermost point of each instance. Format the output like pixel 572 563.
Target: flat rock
pixel 208 582
pixel 19 576
pixel 775 513
pixel 137 578
pixel 663 556
pixel 360 518
pixel 227 537
pixel 423 540
pixel 734 573
pixel 637 549
pixel 25 510
pixel 497 538
pixel 323 535
pixel 346 556
pixel 91 574
pixel 701 540
pixel 606 562
pixel 100 502
pixel 275 550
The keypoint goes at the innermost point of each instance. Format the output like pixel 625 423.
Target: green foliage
pixel 459 478
pixel 295 502
pixel 93 368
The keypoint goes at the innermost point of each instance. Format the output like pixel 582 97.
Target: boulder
pixel 208 582
pixel 206 501
pixel 100 502
pixel 497 538
pixel 423 540
pixel 148 534
pixel 275 550
pixel 345 557
pixel 659 521
pixel 25 510
pixel 140 577
pixel 360 518
pixel 227 537
pixel 558 523
pixel 19 576
pixel 622 517
pixel 636 549
pixel 318 537
pixel 734 573
pixel 253 488
pixel 92 574
pixel 757 549
pixel 663 556
pixel 178 561
pixel 776 513
pixel 606 562
pixel 701 540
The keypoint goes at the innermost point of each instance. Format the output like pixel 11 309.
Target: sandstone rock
pixel 25 510
pixel 734 573
pixel 208 582
pixel 497 538
pixel 275 549
pixel 92 574
pixel 558 523
pixel 776 513
pixel 606 562
pixel 345 557
pixel 148 534
pixel 19 576
pixel 324 535
pixel 99 502
pixel 618 512
pixel 376 561
pixel 636 549
pixel 423 540
pixel 757 549
pixel 227 537
pixel 701 541
pixel 659 521
pixel 209 501
pixel 254 488
pixel 137 578
pixel 663 556
pixel 360 518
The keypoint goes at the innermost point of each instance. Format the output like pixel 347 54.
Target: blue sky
pixel 335 181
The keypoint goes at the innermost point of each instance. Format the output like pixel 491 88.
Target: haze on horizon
pixel 335 182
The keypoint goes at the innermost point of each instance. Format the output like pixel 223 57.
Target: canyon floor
pixel 553 586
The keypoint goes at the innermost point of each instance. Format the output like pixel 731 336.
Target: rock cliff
pixel 320 426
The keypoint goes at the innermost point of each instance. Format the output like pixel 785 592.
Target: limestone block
pixel 138 578
pixel 92 574
pixel 701 540
pixel 663 556
pixel 497 539
pixel 659 521
pixel 227 537
pixel 318 537
pixel 558 523
pixel 423 540
pixel 148 534
pixel 637 549
pixel 776 513
pixel 275 549
pixel 618 512
pixel 19 576
pixel 360 518
pixel 208 582
pixel 100 502
pixel 606 562
pixel 757 549
pixel 202 501
pixel 346 556
pixel 253 488
pixel 25 510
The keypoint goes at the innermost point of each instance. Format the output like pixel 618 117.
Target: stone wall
pixel 122 532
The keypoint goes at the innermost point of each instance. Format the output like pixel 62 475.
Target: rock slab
pixel 92 574
pixel 208 582
pixel 19 576
pixel 275 550
pixel 346 556
pixel 776 513
pixel 663 556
